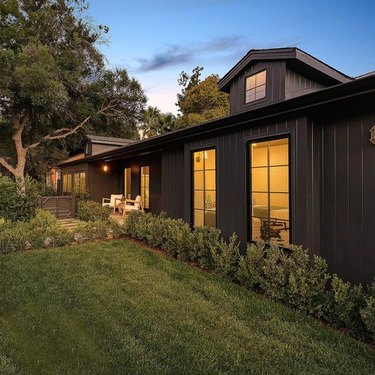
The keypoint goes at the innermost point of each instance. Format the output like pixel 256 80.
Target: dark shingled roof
pixel 109 140
pixel 287 53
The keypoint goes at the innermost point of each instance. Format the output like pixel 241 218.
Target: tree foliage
pixel 200 101
pixel 154 122
pixel 53 80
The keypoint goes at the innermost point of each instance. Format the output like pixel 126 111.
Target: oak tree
pixel 53 79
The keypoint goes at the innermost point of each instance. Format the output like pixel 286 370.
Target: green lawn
pixel 113 308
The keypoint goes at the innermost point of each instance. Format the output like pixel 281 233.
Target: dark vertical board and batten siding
pixel 172 181
pixel 275 86
pixel 348 204
pixel 232 172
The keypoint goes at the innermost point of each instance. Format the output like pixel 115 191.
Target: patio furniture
pixel 132 205
pixel 113 202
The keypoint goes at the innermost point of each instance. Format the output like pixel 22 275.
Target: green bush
pixel 157 230
pixel 226 256
pixel 57 236
pixel 307 282
pixel 92 230
pixel 179 240
pixel 132 222
pixel 42 220
pixel 250 266
pixel 115 229
pixel 206 241
pixel 15 206
pixel 291 276
pixel 40 231
pixel 92 211
pixel 368 311
pixel 343 306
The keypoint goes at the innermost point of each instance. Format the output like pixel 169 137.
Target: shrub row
pixel 177 238
pixel 42 231
pixel 290 276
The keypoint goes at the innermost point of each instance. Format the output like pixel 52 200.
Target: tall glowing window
pixel 67 183
pixel 204 188
pixel 269 181
pixel 256 86
pixel 145 186
pixel 80 182
pixel 127 183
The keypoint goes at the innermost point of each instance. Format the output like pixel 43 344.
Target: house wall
pixel 172 181
pixel 232 171
pixel 348 186
pixel 332 181
pixel 297 84
pixel 96 148
pixel 102 184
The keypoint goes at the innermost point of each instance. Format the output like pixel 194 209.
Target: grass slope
pixel 113 308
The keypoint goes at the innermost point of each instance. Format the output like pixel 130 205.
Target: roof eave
pixel 287 53
pixel 331 94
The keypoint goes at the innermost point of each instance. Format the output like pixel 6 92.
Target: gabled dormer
pixel 268 76
pixel 96 144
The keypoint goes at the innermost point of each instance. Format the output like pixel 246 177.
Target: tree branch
pixel 6 165
pixel 56 134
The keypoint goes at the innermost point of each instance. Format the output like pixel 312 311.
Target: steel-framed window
pixel 204 187
pixel 145 186
pixel 256 87
pixel 270 191
pixel 127 183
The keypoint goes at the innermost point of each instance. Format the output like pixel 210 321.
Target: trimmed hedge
pixel 291 276
pixel 92 211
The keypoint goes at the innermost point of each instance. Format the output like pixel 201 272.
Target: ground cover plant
pixel 113 308
pixel 43 231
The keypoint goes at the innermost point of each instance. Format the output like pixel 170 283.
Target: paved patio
pixel 117 217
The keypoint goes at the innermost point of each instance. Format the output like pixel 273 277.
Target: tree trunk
pixel 19 171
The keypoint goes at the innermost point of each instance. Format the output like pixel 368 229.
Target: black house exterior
pixel 293 163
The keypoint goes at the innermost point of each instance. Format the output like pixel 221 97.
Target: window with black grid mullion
pixel 204 188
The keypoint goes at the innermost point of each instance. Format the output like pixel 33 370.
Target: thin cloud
pixel 176 55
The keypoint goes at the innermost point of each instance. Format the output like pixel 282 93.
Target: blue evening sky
pixel 157 39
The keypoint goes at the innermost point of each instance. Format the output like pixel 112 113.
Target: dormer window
pixel 87 148
pixel 256 87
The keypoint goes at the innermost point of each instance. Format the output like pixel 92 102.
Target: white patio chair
pixel 113 202
pixel 133 205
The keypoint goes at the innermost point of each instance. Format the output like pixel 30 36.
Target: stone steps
pixel 68 223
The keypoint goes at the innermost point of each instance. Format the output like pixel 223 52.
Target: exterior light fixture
pixel 372 135
pixel 105 168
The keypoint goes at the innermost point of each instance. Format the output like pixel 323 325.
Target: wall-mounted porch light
pixel 372 135
pixel 105 168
